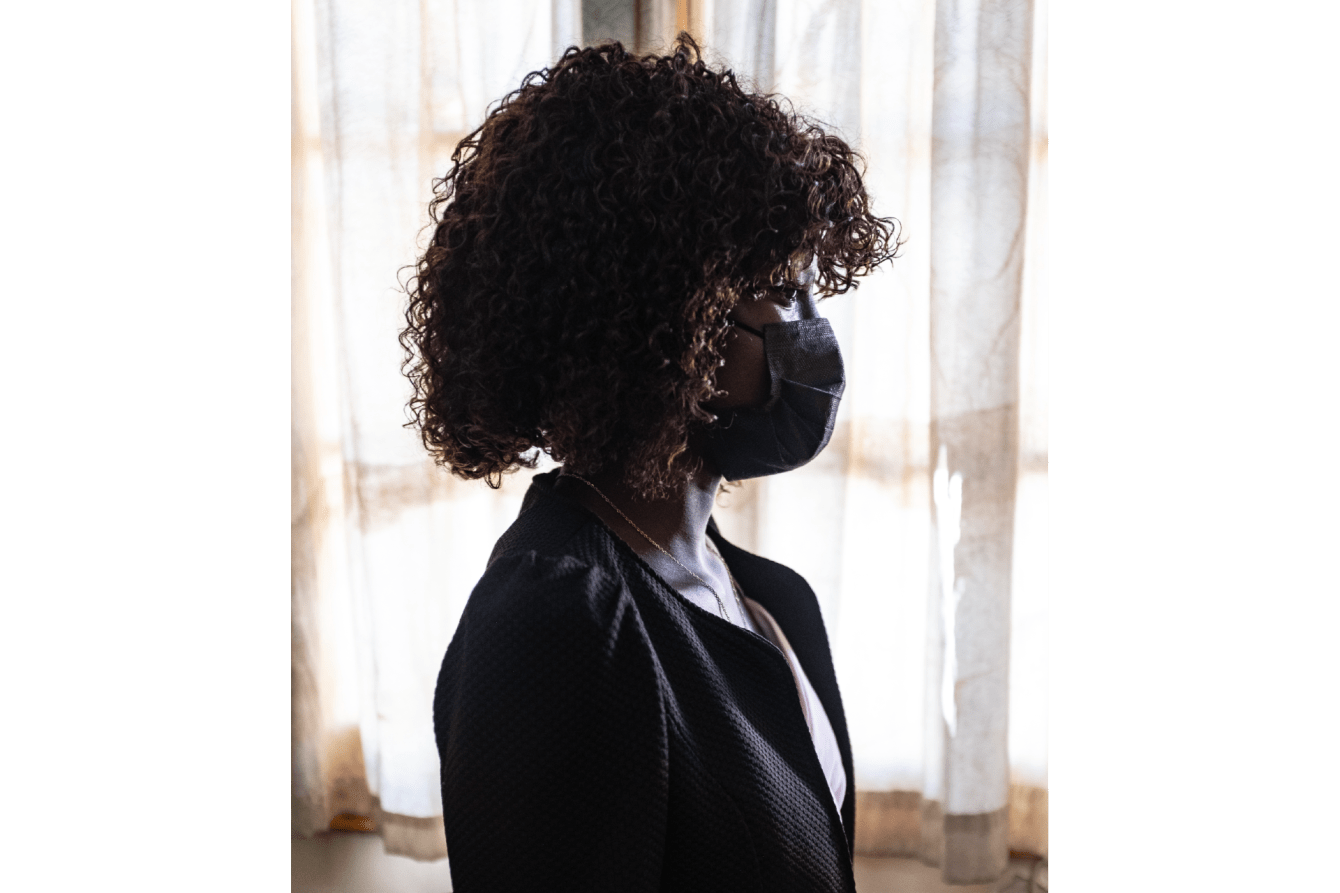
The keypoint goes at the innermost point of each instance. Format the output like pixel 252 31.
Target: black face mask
pixel 805 383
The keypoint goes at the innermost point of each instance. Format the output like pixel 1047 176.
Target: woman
pixel 622 274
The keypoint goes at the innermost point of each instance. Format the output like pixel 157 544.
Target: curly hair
pixel 588 242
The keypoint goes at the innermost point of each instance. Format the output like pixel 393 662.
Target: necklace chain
pixel 721 606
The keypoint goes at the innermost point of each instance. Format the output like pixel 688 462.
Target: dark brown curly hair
pixel 588 242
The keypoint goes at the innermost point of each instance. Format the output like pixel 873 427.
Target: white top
pixel 821 730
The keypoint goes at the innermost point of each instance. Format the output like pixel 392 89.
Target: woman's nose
pixel 809 307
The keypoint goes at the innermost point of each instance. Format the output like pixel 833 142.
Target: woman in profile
pixel 623 275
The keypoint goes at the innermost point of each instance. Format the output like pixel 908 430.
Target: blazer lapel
pixel 791 601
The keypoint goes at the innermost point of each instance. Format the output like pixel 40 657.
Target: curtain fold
pixel 979 191
pixel 921 527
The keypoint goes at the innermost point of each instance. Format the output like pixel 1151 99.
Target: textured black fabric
pixel 598 732
pixel 805 382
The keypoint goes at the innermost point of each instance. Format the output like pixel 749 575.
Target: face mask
pixel 805 383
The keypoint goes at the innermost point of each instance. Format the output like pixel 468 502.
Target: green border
pixel 1193 355
pixel 146 349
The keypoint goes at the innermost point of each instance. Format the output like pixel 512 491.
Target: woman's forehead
pixel 805 278
pixel 802 268
pixel 798 272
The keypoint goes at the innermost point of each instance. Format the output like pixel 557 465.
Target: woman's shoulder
pixel 567 591
pixel 542 588
pixel 550 525
pixel 542 628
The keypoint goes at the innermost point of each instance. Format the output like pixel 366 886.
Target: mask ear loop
pixel 750 329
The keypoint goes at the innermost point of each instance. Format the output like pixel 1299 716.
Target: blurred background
pixel 925 521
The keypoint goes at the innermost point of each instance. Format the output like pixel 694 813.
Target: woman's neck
pixel 676 523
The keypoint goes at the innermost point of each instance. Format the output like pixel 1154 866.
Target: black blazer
pixel 599 732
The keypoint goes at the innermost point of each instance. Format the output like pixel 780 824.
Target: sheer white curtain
pixel 951 768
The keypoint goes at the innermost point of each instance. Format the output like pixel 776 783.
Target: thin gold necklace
pixel 721 606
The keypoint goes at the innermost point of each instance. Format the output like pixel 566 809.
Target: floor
pixel 910 876
pixel 350 862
